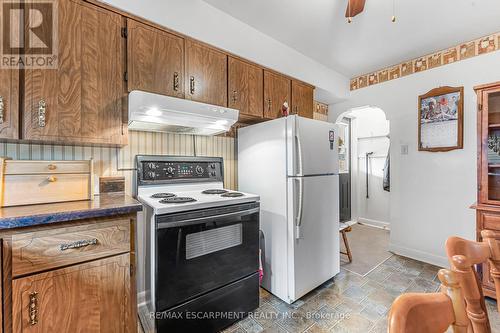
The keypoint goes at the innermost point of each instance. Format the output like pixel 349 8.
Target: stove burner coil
pixel 214 191
pixel 176 200
pixel 232 195
pixel 162 195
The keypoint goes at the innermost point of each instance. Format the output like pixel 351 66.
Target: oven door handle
pixel 201 220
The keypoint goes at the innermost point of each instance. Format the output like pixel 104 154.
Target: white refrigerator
pixel 292 163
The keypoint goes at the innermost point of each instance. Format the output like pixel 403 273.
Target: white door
pixel 312 147
pixel 315 251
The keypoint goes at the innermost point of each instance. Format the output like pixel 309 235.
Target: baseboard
pixel 141 298
pixel 374 223
pixel 419 255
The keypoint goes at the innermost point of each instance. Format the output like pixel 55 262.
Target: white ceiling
pixel 318 29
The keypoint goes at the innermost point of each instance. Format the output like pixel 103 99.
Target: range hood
pixel 158 113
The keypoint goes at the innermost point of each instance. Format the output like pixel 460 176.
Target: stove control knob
pixel 199 170
pixel 152 174
pixel 170 170
pixel 152 166
pixel 212 165
pixel 213 174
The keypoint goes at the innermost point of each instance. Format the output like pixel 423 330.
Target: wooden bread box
pixel 25 182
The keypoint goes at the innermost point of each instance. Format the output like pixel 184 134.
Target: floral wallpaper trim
pixel 463 51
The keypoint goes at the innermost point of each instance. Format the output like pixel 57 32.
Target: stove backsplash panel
pixel 120 161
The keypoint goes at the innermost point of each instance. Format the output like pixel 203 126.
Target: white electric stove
pixel 201 243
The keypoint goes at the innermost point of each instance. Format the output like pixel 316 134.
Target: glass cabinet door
pixel 491 128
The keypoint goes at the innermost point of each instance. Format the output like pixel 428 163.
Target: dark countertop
pixel 102 205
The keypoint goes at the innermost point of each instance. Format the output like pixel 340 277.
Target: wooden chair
pixel 463 255
pixel 430 312
pixel 460 303
pixel 343 229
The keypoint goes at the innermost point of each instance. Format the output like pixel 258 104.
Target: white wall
pixel 370 129
pixel 198 19
pixel 430 192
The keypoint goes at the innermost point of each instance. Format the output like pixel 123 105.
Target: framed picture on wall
pixel 440 119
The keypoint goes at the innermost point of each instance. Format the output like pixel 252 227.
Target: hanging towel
pixel 387 172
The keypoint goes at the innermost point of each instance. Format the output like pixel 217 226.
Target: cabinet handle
pixel 51 179
pixel 41 113
pixel 1 110
pixel 176 81
pixel 77 244
pixel 296 109
pixel 52 167
pixel 235 96
pixel 33 308
pixel 269 104
pixel 191 85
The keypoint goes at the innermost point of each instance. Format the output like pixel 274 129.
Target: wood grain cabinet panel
pixel 9 104
pixel 48 249
pixel 83 97
pixel 91 297
pixel 277 90
pixel 302 99
pixel 155 60
pixel 246 88
pixel 206 74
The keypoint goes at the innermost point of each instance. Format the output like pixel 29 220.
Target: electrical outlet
pixel 404 149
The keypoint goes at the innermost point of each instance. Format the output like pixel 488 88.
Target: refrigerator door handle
pixel 300 197
pixel 298 157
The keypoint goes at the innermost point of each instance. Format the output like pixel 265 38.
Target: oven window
pixel 204 242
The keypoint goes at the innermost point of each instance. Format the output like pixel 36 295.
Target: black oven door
pixel 199 251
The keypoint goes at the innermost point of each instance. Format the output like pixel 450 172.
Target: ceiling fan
pixel 355 7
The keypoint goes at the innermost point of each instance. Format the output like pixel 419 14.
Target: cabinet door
pixel 155 60
pixel 246 87
pixel 276 92
pixel 9 103
pixel 302 99
pixel 206 74
pixel 83 97
pixel 91 297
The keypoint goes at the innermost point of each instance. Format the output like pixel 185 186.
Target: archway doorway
pixel 365 184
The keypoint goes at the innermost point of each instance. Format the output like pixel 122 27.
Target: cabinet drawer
pixel 47 249
pixel 34 189
pixel 491 221
pixel 43 167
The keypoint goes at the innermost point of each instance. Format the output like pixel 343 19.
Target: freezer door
pixel 314 205
pixel 312 147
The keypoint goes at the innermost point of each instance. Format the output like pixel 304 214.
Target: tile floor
pixel 349 303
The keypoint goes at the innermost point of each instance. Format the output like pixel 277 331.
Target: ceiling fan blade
pixel 354 7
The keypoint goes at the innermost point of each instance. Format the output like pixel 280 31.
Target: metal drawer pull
pixel 33 308
pixel 269 104
pixel 191 85
pixel 1 110
pixel 52 167
pixel 41 113
pixel 77 244
pixel 176 81
pixel 235 96
pixel 51 179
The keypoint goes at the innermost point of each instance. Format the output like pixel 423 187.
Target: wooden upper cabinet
pixel 82 100
pixel 246 88
pixel 206 74
pixel 302 99
pixel 9 104
pixel 277 90
pixel 155 60
pixel 91 297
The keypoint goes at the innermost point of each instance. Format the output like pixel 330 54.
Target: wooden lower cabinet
pixel 488 218
pixel 81 279
pixel 89 297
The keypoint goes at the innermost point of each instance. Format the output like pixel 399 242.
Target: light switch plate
pixel 404 149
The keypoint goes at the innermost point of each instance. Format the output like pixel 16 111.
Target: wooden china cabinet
pixel 488 198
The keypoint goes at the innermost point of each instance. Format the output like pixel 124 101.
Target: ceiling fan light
pixel 393 19
pixel 349 19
